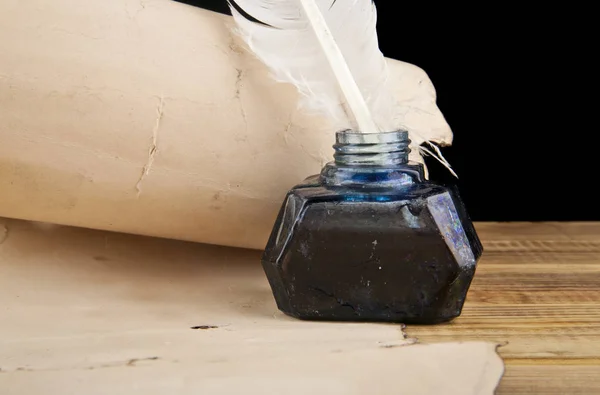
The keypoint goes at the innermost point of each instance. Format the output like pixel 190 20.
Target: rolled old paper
pixel 150 117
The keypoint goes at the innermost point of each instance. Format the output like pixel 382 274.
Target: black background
pixel 500 74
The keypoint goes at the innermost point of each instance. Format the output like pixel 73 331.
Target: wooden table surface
pixel 74 300
pixel 536 289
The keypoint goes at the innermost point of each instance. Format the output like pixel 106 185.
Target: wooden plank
pixel 543 379
pixel 537 291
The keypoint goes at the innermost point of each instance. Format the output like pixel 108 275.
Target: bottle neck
pixel 372 160
pixel 371 149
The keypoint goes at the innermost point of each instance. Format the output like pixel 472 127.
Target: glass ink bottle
pixel 368 239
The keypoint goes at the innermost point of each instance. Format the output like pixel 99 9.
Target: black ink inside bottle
pixel 369 240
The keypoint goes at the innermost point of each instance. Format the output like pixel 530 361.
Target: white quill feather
pixel 329 50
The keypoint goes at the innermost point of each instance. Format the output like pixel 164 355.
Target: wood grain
pixel 77 299
pixel 536 291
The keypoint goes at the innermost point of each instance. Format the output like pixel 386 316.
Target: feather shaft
pixel 351 92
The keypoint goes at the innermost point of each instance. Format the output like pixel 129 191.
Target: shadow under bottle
pixel 369 239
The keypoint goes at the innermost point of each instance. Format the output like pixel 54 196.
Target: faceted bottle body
pixel 372 243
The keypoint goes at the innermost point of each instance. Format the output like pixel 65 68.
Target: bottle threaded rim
pixel 371 149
